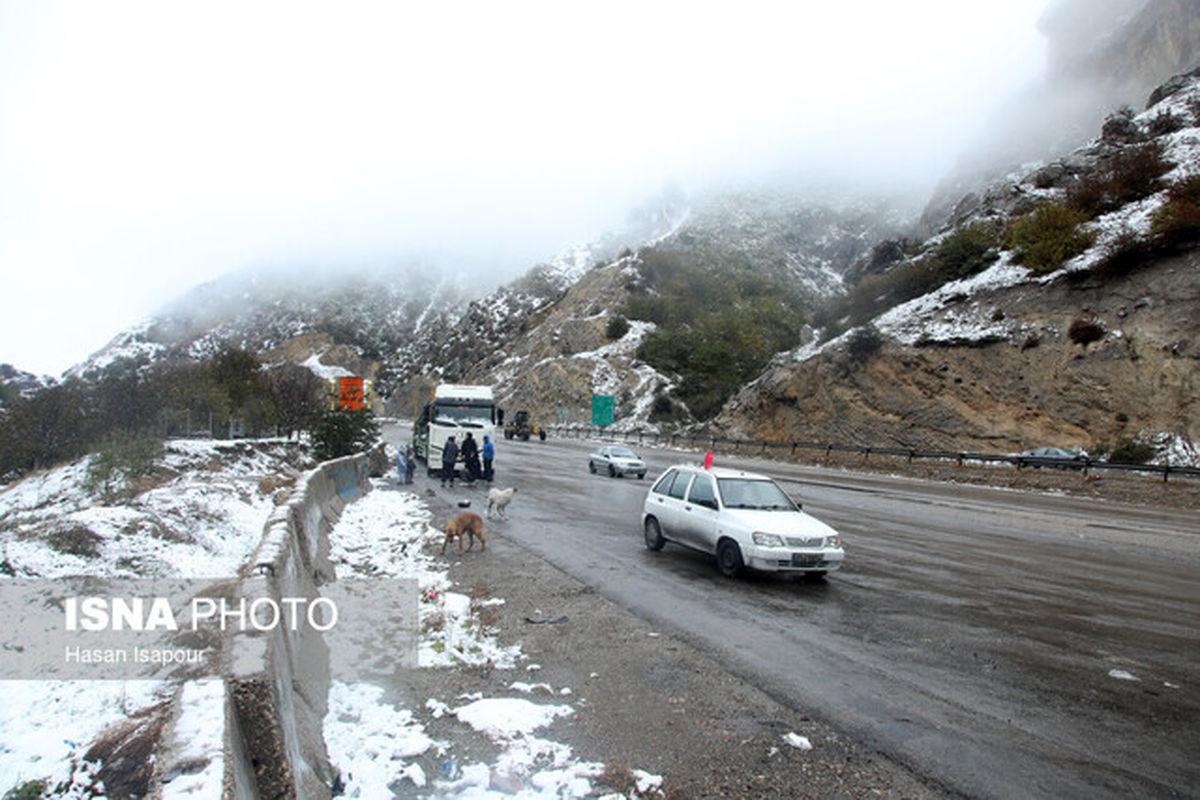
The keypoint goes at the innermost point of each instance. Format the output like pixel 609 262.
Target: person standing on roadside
pixel 470 456
pixel 411 458
pixel 449 457
pixel 489 455
pixel 401 465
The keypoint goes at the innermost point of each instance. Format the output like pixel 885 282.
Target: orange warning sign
pixel 350 394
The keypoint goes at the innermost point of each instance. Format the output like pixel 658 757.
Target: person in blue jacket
pixel 489 453
pixel 401 466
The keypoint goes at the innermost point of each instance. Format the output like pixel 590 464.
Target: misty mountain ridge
pixel 760 271
pixel 1101 55
pixel 358 318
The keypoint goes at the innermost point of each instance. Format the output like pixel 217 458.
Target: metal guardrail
pixel 1084 465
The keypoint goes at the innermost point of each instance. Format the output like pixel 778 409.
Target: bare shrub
pixel 1177 222
pixel 76 541
pixel 1085 330
pixel 1165 122
pixel 1130 175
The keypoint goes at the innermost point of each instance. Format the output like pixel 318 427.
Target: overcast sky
pixel 147 147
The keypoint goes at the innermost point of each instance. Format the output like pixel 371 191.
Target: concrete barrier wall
pixel 278 682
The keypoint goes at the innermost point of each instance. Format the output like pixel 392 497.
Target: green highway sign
pixel 602 410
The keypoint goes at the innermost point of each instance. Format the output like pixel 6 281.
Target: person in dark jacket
pixel 489 455
pixel 411 466
pixel 470 454
pixel 449 456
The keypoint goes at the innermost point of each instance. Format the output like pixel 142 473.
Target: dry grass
pixel 271 483
pixel 617 777
pixel 126 753
pixel 489 617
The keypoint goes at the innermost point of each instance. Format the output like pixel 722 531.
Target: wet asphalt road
pixel 969 636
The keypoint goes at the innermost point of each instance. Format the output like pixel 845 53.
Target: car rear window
pixel 679 487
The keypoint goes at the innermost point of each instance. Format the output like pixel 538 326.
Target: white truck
pixel 455 410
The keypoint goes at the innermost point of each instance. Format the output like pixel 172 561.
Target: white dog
pixel 499 499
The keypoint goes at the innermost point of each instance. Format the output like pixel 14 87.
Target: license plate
pixel 805 559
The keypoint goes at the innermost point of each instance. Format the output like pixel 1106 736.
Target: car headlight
pixel 767 540
pixel 833 541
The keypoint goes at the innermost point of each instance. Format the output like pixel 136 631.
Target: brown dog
pixel 461 527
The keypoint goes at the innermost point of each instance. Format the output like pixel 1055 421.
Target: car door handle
pixel 687 508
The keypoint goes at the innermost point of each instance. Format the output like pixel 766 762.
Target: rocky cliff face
pixel 1006 385
pixel 1106 346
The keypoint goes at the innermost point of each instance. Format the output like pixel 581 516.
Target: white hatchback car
pixel 744 519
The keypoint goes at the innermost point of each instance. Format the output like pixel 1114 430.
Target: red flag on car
pixel 708 460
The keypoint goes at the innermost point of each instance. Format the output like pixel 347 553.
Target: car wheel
pixel 592 467
pixel 612 471
pixel 654 537
pixel 729 558
pixel 641 475
pixel 814 576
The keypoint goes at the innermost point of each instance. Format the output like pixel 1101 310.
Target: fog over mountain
pixel 145 149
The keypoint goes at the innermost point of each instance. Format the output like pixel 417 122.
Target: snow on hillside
pixel 200 515
pixel 325 371
pixel 940 316
pixel 132 344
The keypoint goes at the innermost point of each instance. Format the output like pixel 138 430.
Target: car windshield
pixel 755 494
pixel 622 452
pixel 462 416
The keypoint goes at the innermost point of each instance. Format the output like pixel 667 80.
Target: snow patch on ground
pixel 199 738
pixel 1122 675
pixel 797 741
pixel 49 725
pixel 502 718
pixel 371 741
pixel 384 535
